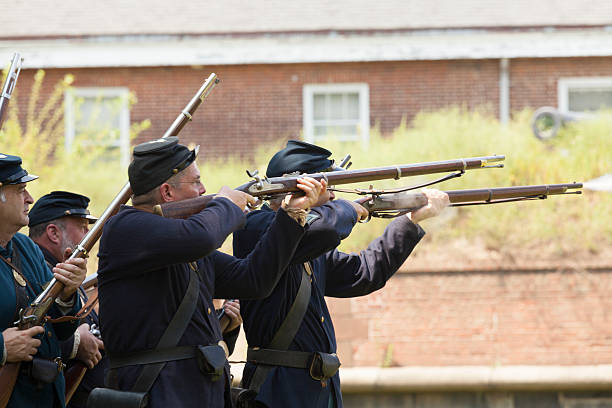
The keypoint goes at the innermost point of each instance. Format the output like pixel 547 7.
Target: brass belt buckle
pixel 60 364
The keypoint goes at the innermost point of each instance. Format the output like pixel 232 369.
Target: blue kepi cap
pixel 11 171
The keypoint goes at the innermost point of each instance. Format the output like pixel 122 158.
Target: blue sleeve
pixel 350 275
pixel 255 276
pixel 230 339
pixel 141 242
pixel 66 347
pixel 1 347
pixel 327 226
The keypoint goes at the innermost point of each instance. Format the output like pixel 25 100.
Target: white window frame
pixel 565 84
pixel 121 93
pixel 364 106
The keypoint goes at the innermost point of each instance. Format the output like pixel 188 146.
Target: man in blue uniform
pixel 146 264
pixel 60 220
pixel 292 345
pixel 23 273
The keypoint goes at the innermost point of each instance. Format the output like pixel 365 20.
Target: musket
pixel 9 85
pixel 267 188
pixel 383 204
pixel 75 373
pixel 34 314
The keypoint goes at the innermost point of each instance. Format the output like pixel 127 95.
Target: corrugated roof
pixel 38 18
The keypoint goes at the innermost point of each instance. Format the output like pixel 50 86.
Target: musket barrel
pixel 194 103
pixel 502 193
pixel 9 85
pixel 278 185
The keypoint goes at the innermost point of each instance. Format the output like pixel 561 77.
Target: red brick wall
pixel 533 82
pixel 262 103
pixel 479 318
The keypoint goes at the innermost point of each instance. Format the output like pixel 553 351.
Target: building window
pixel 99 117
pixel 340 111
pixel 585 94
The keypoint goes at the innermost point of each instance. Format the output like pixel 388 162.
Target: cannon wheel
pixel 546 123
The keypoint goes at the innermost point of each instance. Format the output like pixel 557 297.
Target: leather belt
pixel 119 360
pixel 319 365
pixel 294 359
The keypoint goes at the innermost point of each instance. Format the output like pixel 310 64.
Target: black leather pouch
pixel 107 398
pixel 324 365
pixel 211 360
pixel 243 398
pixel 44 370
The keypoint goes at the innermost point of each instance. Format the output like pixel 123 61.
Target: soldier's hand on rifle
pixel 362 212
pixel 311 188
pixel 436 201
pixel 89 347
pixel 21 344
pixel 71 273
pixel 237 197
pixel 232 311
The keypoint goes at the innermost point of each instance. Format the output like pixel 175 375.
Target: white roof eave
pixel 144 51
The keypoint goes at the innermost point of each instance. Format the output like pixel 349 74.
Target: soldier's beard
pixel 66 243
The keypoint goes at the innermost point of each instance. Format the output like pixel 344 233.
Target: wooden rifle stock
pixel 34 314
pixel 270 187
pixel 73 376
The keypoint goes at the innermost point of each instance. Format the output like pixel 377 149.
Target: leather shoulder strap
pixel 173 332
pixel 288 329
pixel 22 299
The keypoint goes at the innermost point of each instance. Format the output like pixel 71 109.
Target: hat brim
pixel 91 219
pixel 25 179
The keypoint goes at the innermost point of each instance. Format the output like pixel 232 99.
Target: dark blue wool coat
pixel 33 266
pixel 143 275
pixel 336 274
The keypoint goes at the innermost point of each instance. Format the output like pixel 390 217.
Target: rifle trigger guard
pixel 366 220
pixel 24 321
pixel 399 172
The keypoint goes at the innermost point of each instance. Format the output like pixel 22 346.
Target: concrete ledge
pixel 469 378
pixel 475 378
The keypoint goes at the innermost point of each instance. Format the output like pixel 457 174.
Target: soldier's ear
pixel 54 233
pixel 166 192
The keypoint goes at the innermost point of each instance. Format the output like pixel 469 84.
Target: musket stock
pixel 35 313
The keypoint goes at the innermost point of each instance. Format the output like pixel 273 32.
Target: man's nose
pixel 28 198
pixel 202 189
